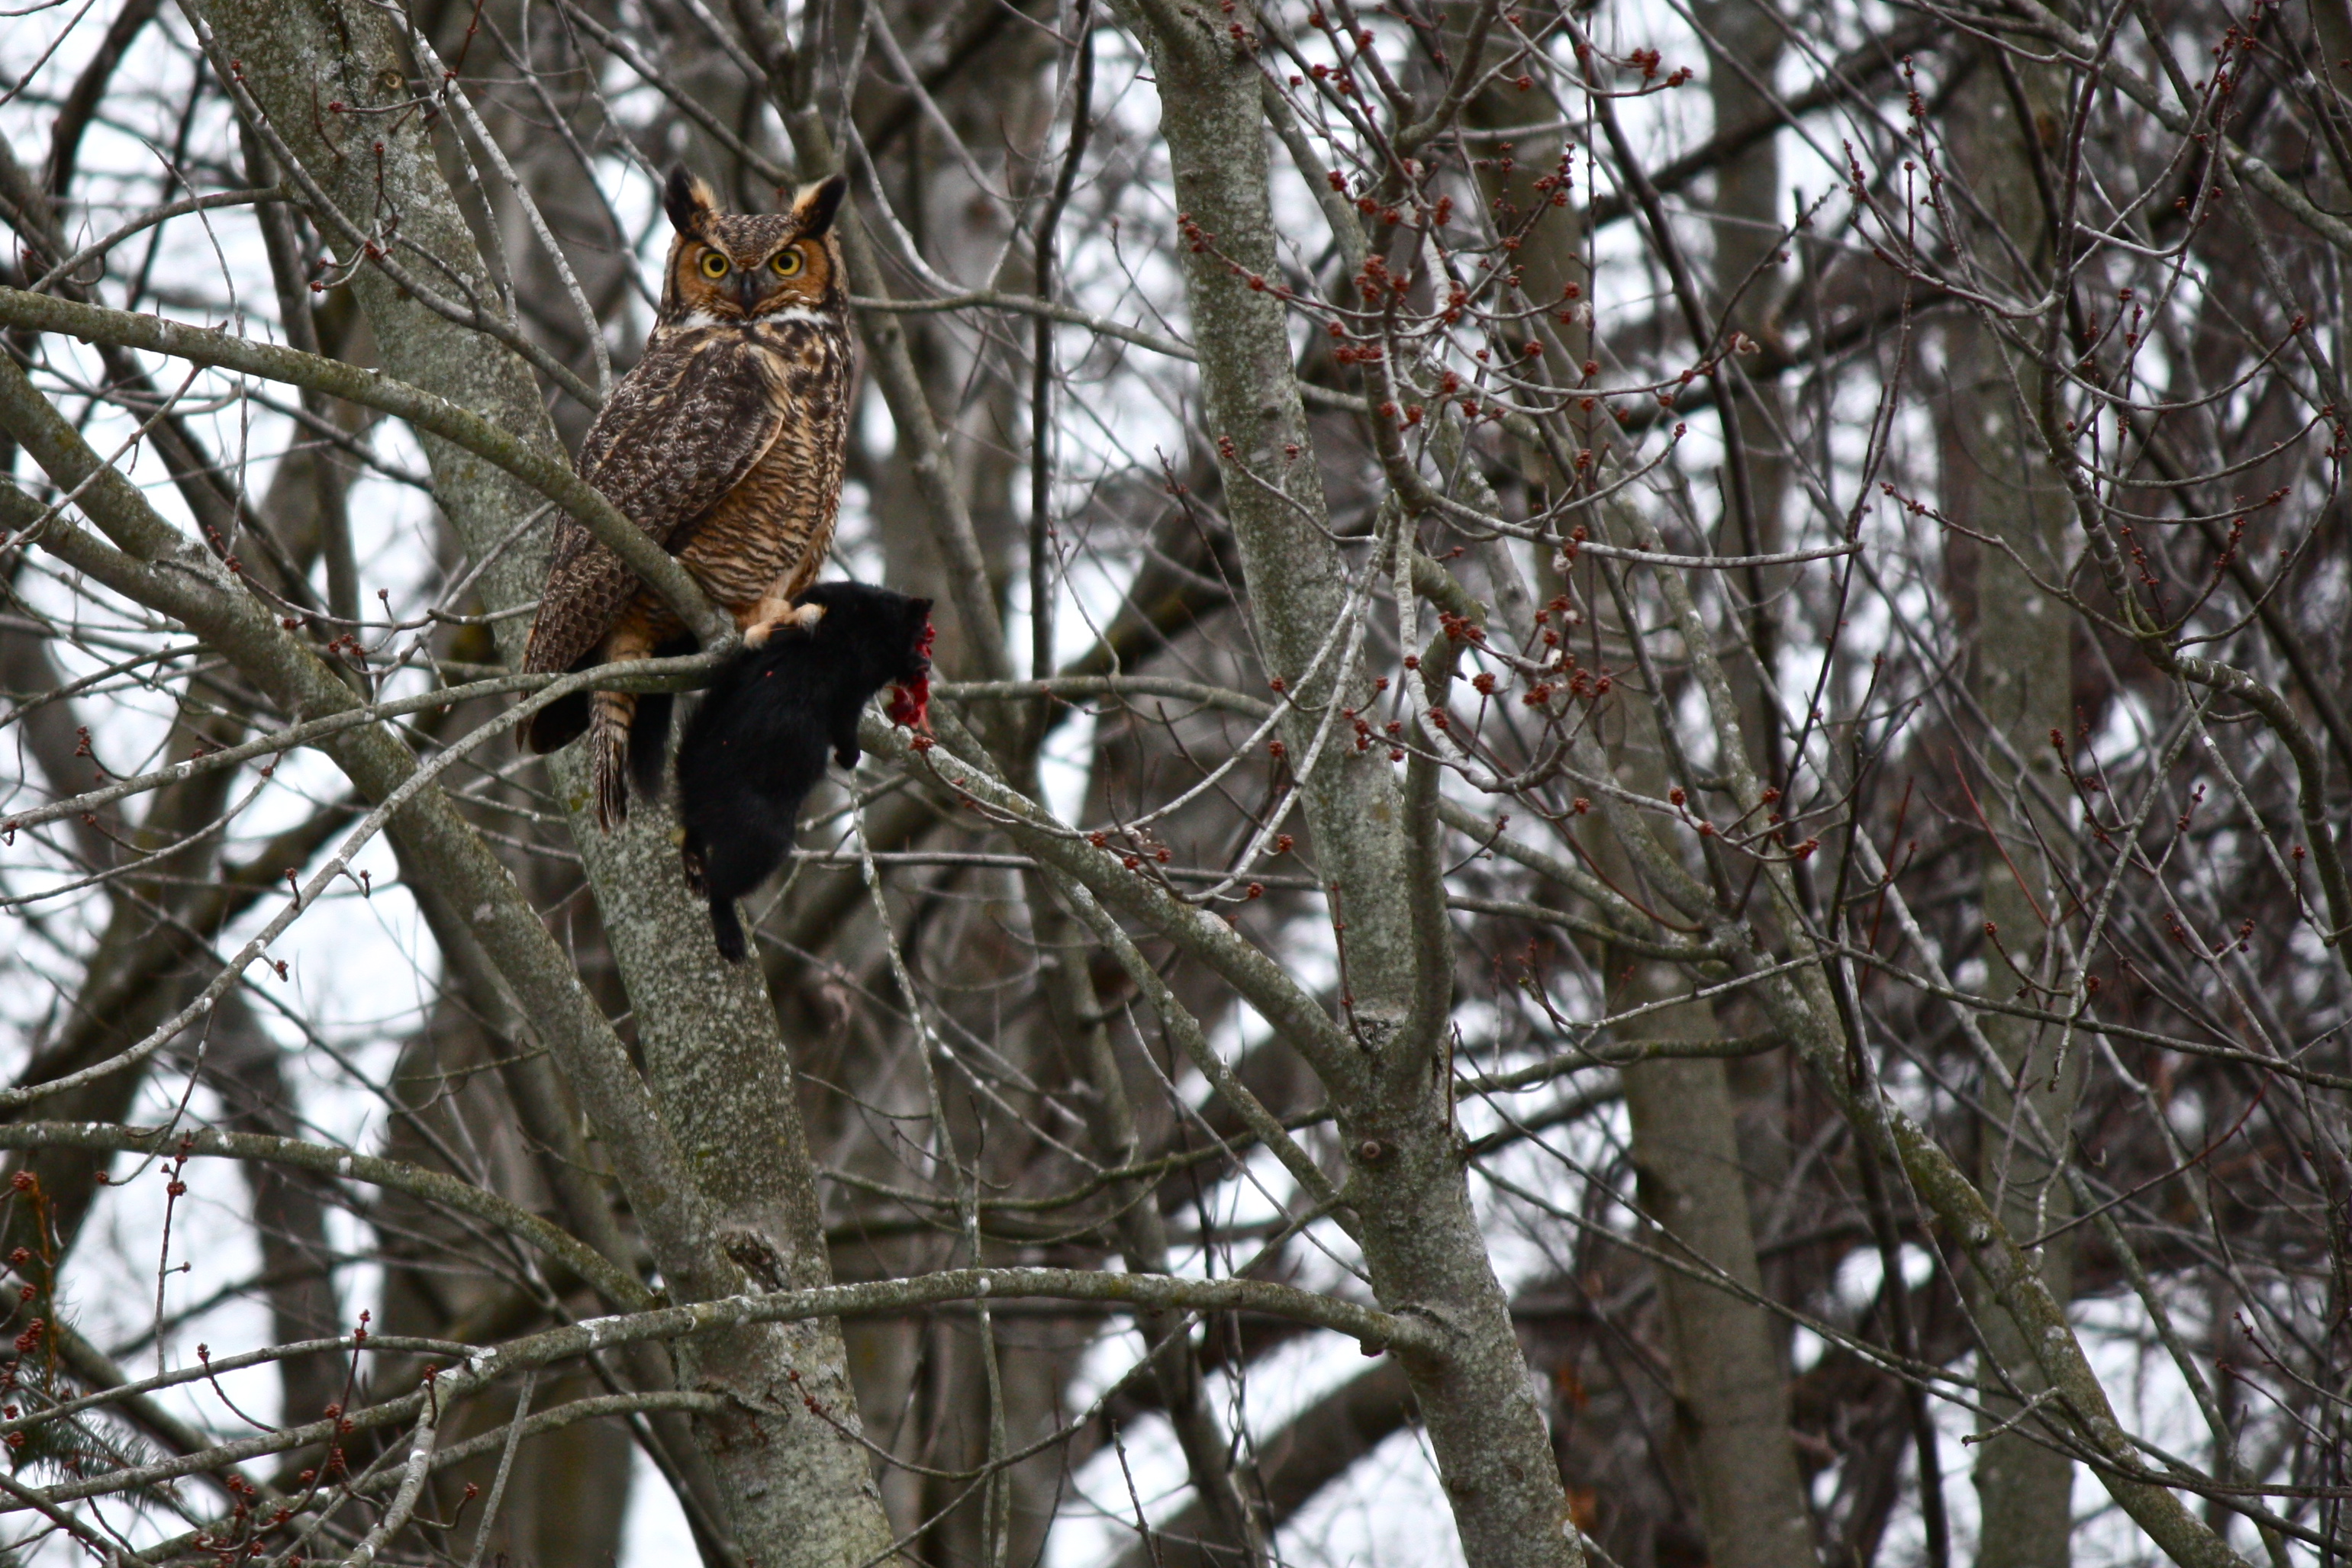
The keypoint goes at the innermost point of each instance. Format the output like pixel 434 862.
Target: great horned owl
pixel 725 444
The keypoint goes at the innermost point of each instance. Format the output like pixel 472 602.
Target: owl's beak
pixel 747 288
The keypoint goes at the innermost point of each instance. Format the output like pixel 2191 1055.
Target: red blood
pixel 911 703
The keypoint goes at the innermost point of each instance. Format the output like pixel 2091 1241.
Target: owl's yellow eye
pixel 714 265
pixel 787 263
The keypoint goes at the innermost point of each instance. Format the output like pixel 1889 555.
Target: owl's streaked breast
pixel 778 521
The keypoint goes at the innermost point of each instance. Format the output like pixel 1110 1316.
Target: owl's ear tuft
pixel 815 207
pixel 688 200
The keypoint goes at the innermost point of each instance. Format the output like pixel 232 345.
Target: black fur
pixel 649 731
pixel 756 745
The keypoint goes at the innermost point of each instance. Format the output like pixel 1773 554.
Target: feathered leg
pixel 611 716
pixel 608 756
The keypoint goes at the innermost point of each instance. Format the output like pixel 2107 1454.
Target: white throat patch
pixel 808 314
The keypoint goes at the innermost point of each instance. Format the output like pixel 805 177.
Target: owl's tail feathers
pixel 610 715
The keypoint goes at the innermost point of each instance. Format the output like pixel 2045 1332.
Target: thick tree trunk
pixel 798 1483
pixel 1391 1080
pixel 1731 1379
pixel 1744 43
pixel 2000 484
pixel 791 1474
pixel 1731 1395
pixel 1697 1164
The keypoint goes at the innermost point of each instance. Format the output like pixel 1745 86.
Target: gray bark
pixel 1419 1235
pixel 1744 43
pixel 794 1480
pixel 1697 1163
pixel 1730 1378
pixel 797 1482
pixel 2000 484
pixel 1731 1395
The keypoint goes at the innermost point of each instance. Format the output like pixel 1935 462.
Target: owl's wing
pixel 679 431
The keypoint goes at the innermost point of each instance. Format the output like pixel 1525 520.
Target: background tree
pixel 1639 712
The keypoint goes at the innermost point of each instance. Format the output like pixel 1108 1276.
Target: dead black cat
pixel 757 743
